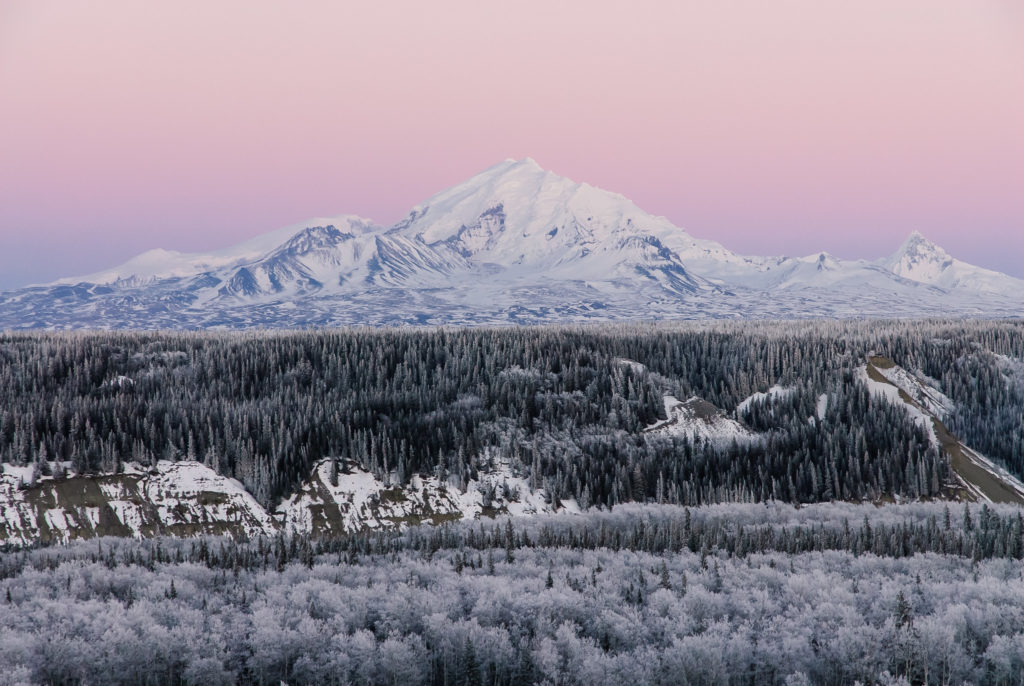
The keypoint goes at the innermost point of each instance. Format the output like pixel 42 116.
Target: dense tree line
pixel 557 402
pixel 924 593
pixel 976 532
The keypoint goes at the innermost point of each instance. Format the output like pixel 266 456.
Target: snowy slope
pixel 922 390
pixel 518 213
pixel 976 474
pixel 700 421
pixel 174 498
pixel 534 226
pixel 189 499
pixel 890 392
pixel 361 501
pixel 775 391
pixel 512 244
pixel 920 260
pixel 159 263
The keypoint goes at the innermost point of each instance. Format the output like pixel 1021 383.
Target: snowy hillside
pixel 174 498
pixel 189 499
pixel 355 500
pixel 918 259
pixel 159 263
pixel 701 422
pixel 513 244
pixel 979 476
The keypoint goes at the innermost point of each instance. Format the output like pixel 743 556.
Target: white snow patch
pixel 142 499
pixel 632 364
pixel 821 408
pixel 363 501
pixel 918 388
pixel 189 498
pixel 697 418
pixel 772 393
pixel 17 475
pixel 177 485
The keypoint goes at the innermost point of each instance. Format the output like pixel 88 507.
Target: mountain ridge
pixel 515 243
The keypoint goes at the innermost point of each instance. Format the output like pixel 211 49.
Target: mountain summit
pixel 921 260
pixel 513 244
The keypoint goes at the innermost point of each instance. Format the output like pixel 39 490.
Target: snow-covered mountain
pixel 920 260
pixel 513 244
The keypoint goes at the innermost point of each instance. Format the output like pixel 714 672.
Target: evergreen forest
pixel 565 406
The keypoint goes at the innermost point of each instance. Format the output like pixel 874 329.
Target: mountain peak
pixel 917 248
pixel 531 201
pixel 515 242
pixel 917 239
pixel 919 259
pixel 313 238
pixel 524 162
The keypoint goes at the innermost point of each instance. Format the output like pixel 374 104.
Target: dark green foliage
pixel 557 403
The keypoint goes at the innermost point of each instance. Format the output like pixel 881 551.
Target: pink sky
pixel 781 127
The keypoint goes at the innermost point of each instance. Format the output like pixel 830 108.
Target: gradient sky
pixel 782 127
